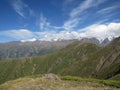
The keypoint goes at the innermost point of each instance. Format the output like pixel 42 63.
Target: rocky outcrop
pixel 51 76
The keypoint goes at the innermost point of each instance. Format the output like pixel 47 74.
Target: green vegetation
pixel 64 62
pixel 113 83
pixel 86 60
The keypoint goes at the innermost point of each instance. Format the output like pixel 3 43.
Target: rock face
pixel 51 76
pixel 105 42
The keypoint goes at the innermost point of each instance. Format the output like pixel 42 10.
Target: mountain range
pixel 18 49
pixel 84 59
pixel 31 48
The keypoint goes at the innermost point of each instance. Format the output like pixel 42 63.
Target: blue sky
pixel 28 20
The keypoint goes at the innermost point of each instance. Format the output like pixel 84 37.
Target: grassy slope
pixel 66 61
pixel 109 57
pixel 67 83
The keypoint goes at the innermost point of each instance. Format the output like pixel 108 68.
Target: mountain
pixel 105 42
pixel 84 59
pixel 30 48
pixel 109 61
pixel 35 47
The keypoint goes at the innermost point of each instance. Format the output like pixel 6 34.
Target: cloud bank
pixel 99 31
pixel 102 31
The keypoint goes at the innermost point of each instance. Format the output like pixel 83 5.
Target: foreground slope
pixel 51 83
pixel 77 59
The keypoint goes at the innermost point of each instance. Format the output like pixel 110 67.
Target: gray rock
pixel 51 76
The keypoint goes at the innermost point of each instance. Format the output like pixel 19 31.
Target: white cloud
pixel 102 31
pixel 29 40
pixel 114 29
pixel 18 6
pixel 71 23
pixel 18 34
pixel 81 7
pixel 107 10
pixel 99 31
pixel 43 22
pixel 86 4
pixel 63 35
pixel 45 25
pixel 79 12
pixel 66 2
pixel 21 8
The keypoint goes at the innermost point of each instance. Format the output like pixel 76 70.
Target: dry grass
pixel 51 84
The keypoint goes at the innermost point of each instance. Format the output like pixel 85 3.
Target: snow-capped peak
pixel 29 40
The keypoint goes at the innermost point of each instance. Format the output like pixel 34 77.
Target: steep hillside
pixel 109 61
pixel 65 62
pixel 77 59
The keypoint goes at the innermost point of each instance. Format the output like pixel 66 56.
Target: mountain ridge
pixel 33 48
pixel 25 49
